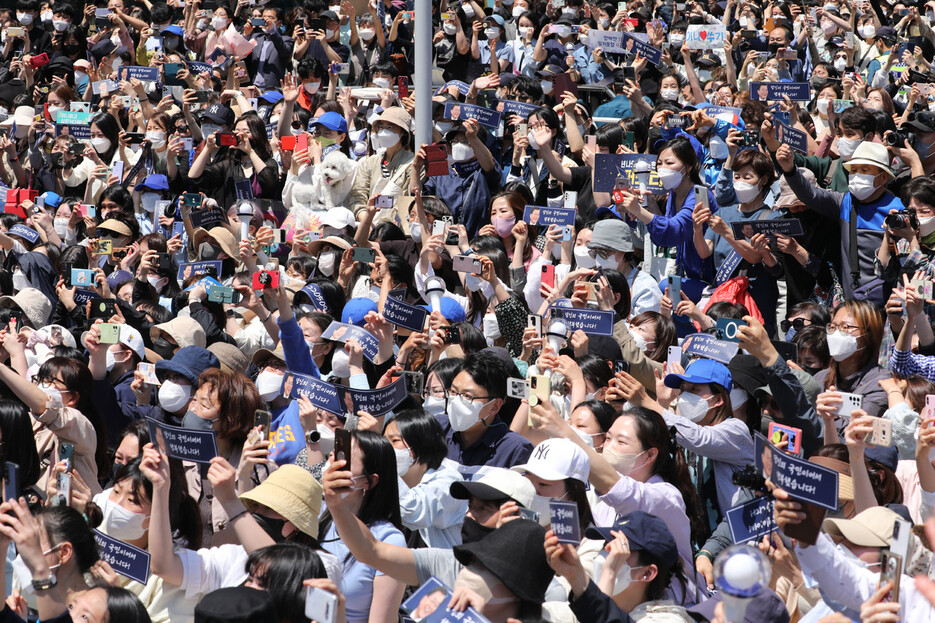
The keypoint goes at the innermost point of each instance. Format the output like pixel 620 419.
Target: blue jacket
pixel 288 436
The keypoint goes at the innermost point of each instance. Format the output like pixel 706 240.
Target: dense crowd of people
pixel 644 332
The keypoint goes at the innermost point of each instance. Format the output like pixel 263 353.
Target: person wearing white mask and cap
pixel 611 247
pixel 147 196
pixel 388 170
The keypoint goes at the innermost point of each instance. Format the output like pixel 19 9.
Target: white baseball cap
pixel 132 339
pixel 557 459
pixel 496 484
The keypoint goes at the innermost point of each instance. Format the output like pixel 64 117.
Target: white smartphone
pixel 320 605
pixel 674 356
pixel 850 403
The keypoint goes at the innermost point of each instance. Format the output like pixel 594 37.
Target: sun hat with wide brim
pixel 292 492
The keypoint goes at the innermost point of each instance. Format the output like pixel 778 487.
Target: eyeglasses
pixel 48 380
pixel 798 324
pixel 846 328
pixel 436 392
pixel 465 397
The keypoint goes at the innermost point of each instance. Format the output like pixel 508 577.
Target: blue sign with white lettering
pixel 321 394
pixel 752 520
pixel 707 346
pixel 796 91
pixel 376 402
pixel 608 167
pixel 799 478
pixel 404 315
pixel 143 74
pixel 511 107
pixel 127 560
pixel 650 53
pixel 207 267
pixel 542 216
pixel 186 444
pixel 591 321
pixel 457 111
pixel 564 519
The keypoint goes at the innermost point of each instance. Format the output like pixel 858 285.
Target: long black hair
pixel 110 128
pixel 683 150
pixel 18 444
pixel 124 606
pixel 280 569
pixel 63 523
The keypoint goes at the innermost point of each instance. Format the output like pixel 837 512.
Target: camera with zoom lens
pixel 904 219
pixel 750 478
pixel 899 137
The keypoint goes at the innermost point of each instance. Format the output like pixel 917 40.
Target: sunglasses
pixel 798 324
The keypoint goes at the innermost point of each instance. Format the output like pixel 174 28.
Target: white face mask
pixel 517 11
pixel 415 232
pixel 53 111
pixel 60 25
pixel 157 138
pixel 547 87
pixel 462 152
pixel 46 16
pixel 823 106
pixel 55 396
pixel 840 64
pixel 326 263
pixel 312 87
pixel 692 406
pixel 745 192
pixel 118 522
pixel 861 185
pixel 867 32
pixel 841 345
pixel 926 225
pixel 101 144
pixel 174 397
pixel 148 200
pixel 404 460
pixel 329 33
pixel 738 398
pixel 846 147
pixel 24 18
pixel 639 340
pixel 717 148
pixel 268 384
pixel 110 360
pixel 669 95
pixel 621 581
pixel 384 139
pixel 622 463
pixel 492 33
pixel 435 405
pixel 219 22
pixel 540 504
pixel 340 364
pixel 20 280
pixel 611 262
pixel 462 414
pixel 491 328
pixel 828 27
pixel 670 178
pixel 583 257
pixel 61 226
pixel 366 33
pixel 157 282
pixel 381 83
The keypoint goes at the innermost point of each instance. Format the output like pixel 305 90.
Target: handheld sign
pixel 207 267
pixel 799 478
pixel 456 111
pixel 796 139
pixel 127 560
pixel 564 519
pixel 706 36
pixel 650 53
pixel 796 91
pixel 591 321
pixel 752 520
pixel 376 402
pixel 707 346
pixel 610 41
pixel 783 226
pixel 429 604
pixel 608 167
pixel 403 314
pixel 185 444
pixel 321 394
pixel 342 332
pixel 542 216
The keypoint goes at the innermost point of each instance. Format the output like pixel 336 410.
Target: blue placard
pixel 83 296
pixel 801 479
pixel 429 604
pixel 143 74
pixel 456 111
pixel 27 233
pixel 752 520
pixel 127 560
pixel 564 519
pixel 376 402
pixel 610 41
pixel 707 346
pixel 607 167
pixel 510 107
pixel 342 332
pixel 650 53
pixel 725 113
pixel 80 132
pixel 196 67
pixel 770 227
pixel 463 87
pixel 207 283
pixel 318 299
pixel 796 91
pixel 107 86
pixel 271 130
pixel 243 189
pixel 321 394
pixel 404 315
pixel 591 321
pixel 199 268
pixel 796 139
pixel 185 444
pixel 542 216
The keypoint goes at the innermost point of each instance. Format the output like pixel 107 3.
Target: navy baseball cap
pixel 702 371
pixel 189 361
pixel 644 532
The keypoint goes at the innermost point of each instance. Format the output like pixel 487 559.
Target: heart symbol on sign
pixel 704 35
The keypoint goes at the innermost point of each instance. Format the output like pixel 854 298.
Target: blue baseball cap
pixel 644 532
pixel 189 361
pixel 173 29
pixel 702 371
pixel 332 121
pixel 52 200
pixel 356 309
pixel 156 181
pixel 495 18
pixel 272 97
pixel 450 309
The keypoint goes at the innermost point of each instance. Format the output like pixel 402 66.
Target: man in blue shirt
pixel 476 435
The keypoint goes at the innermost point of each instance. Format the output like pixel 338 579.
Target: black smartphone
pixel 135 138
pixel 342 446
pixel 164 263
pixel 262 419
pixel 11 484
pixel 621 366
pixel 65 453
pixel 102 308
pixel 66 273
pixel 452 335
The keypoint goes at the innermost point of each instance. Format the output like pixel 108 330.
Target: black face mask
pixel 655 134
pixel 72 49
pixel 811 371
pixel 472 531
pixel 774 47
pixel 272 527
pixel 163 348
pixel 207 251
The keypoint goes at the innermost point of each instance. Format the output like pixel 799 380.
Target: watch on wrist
pixel 44 584
pixel 312 436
